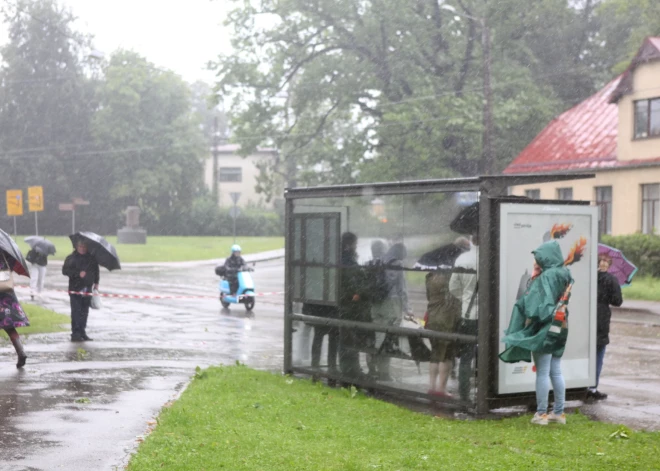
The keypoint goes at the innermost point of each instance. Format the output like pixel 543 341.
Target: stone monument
pixel 132 233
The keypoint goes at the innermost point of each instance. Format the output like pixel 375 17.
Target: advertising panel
pixel 523 227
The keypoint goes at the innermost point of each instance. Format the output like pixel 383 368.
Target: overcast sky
pixel 175 34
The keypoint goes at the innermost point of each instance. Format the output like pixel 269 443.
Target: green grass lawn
pixel 171 248
pixel 235 418
pixel 42 321
pixel 643 288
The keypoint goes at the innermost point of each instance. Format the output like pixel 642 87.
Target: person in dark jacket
pixel 609 293
pixel 83 271
pixel 38 262
pixel 353 306
pixel 233 265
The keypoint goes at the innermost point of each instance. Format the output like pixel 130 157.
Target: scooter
pixel 245 294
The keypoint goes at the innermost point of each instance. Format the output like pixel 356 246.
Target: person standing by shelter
pixel 443 312
pixel 83 271
pixel 609 293
pixel 538 329
pixel 391 310
pixel 353 306
pixel 464 287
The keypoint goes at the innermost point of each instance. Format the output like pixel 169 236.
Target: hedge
pixel 641 249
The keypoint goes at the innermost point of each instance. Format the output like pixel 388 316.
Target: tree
pixel 623 25
pixel 152 146
pixel 46 103
pixel 381 89
pixel 208 113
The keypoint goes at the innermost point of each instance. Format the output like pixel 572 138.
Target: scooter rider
pixel 233 265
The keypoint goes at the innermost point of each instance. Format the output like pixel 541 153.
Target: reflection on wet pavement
pixel 81 406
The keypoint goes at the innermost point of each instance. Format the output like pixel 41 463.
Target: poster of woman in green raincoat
pixel 523 228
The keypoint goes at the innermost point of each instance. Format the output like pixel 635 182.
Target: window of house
pixel 230 174
pixel 604 202
pixel 650 208
pixel 533 194
pixel 647 118
pixel 565 194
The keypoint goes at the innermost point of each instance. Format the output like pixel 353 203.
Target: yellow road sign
pixel 14 202
pixel 35 198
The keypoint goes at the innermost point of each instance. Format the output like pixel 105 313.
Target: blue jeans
pixel 548 369
pixel 600 355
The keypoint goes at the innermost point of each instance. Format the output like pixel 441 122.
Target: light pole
pixel 488 159
pixel 216 142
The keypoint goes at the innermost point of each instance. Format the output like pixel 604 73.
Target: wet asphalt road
pixel 84 406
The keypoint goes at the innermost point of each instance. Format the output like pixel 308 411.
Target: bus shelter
pixel 362 262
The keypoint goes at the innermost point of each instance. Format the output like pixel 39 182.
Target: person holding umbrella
pixel 608 294
pixel 83 271
pixel 443 311
pixel 11 312
pixel 40 249
pixel 82 268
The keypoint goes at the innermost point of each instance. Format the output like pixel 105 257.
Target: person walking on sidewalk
pixel 83 271
pixel 38 263
pixel 538 329
pixel 12 315
pixel 609 294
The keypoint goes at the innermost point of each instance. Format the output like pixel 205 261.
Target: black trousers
pixel 321 331
pixel 233 284
pixel 79 312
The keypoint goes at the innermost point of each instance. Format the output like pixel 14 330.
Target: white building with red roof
pixel 615 134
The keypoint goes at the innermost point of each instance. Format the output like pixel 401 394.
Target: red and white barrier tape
pixel 140 296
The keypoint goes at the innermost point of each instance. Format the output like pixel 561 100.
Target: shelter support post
pixel 288 288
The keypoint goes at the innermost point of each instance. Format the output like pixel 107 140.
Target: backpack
pixel 378 285
pixel 31 256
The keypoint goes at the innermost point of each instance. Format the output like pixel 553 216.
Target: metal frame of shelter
pixel 492 191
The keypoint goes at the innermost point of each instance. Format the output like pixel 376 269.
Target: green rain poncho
pixel 537 306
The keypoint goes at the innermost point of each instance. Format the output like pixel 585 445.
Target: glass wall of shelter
pixel 382 291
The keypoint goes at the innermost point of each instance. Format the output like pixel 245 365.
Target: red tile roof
pixel 584 137
pixel 581 138
pixel 648 52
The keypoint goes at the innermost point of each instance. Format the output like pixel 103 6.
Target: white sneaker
pixel 557 419
pixel 540 419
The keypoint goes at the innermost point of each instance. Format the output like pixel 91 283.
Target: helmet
pixel 235 248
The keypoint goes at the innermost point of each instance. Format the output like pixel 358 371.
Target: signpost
pixel 72 207
pixel 233 212
pixel 36 204
pixel 14 204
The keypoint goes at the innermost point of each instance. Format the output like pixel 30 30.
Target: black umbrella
pixel 102 250
pixel 445 255
pixel 467 221
pixel 13 255
pixel 41 245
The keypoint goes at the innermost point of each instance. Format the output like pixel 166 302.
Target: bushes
pixel 206 219
pixel 641 249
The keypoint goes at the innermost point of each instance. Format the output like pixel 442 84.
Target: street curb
pixel 624 310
